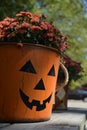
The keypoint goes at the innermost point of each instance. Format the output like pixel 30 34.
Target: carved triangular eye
pixel 28 67
pixel 52 71
pixel 40 85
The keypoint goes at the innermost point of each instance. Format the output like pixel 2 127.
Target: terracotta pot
pixel 28 78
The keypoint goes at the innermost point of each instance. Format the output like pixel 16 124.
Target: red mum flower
pixel 44 25
pixel 24 15
pixel 25 25
pixel 1 26
pixel 50 34
pixel 35 28
pixel 35 19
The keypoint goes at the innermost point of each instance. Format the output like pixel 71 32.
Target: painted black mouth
pixel 36 103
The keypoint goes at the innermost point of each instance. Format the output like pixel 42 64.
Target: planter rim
pixel 30 44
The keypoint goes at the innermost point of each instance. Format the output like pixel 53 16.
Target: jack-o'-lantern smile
pixel 40 105
pixel 34 102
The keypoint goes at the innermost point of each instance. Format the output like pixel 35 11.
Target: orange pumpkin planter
pixel 28 77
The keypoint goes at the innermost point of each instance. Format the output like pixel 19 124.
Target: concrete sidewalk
pixel 72 119
pixel 78 106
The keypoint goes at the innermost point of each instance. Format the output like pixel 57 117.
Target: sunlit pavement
pixel 78 106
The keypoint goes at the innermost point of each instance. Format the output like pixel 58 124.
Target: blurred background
pixel 70 16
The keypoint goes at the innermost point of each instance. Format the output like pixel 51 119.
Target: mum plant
pixel 26 27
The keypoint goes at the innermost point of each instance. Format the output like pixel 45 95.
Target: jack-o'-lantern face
pixel 40 86
pixel 27 82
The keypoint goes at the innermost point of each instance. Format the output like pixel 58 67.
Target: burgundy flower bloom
pixel 44 26
pixel 35 28
pixel 67 61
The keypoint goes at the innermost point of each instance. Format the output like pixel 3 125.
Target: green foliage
pixel 11 7
pixel 73 85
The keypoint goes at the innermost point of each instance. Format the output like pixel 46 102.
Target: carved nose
pixel 40 85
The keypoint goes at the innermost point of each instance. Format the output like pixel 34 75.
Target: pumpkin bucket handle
pixel 60 85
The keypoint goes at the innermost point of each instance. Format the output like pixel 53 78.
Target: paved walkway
pixel 78 106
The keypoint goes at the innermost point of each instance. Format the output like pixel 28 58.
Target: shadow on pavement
pixel 72 110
